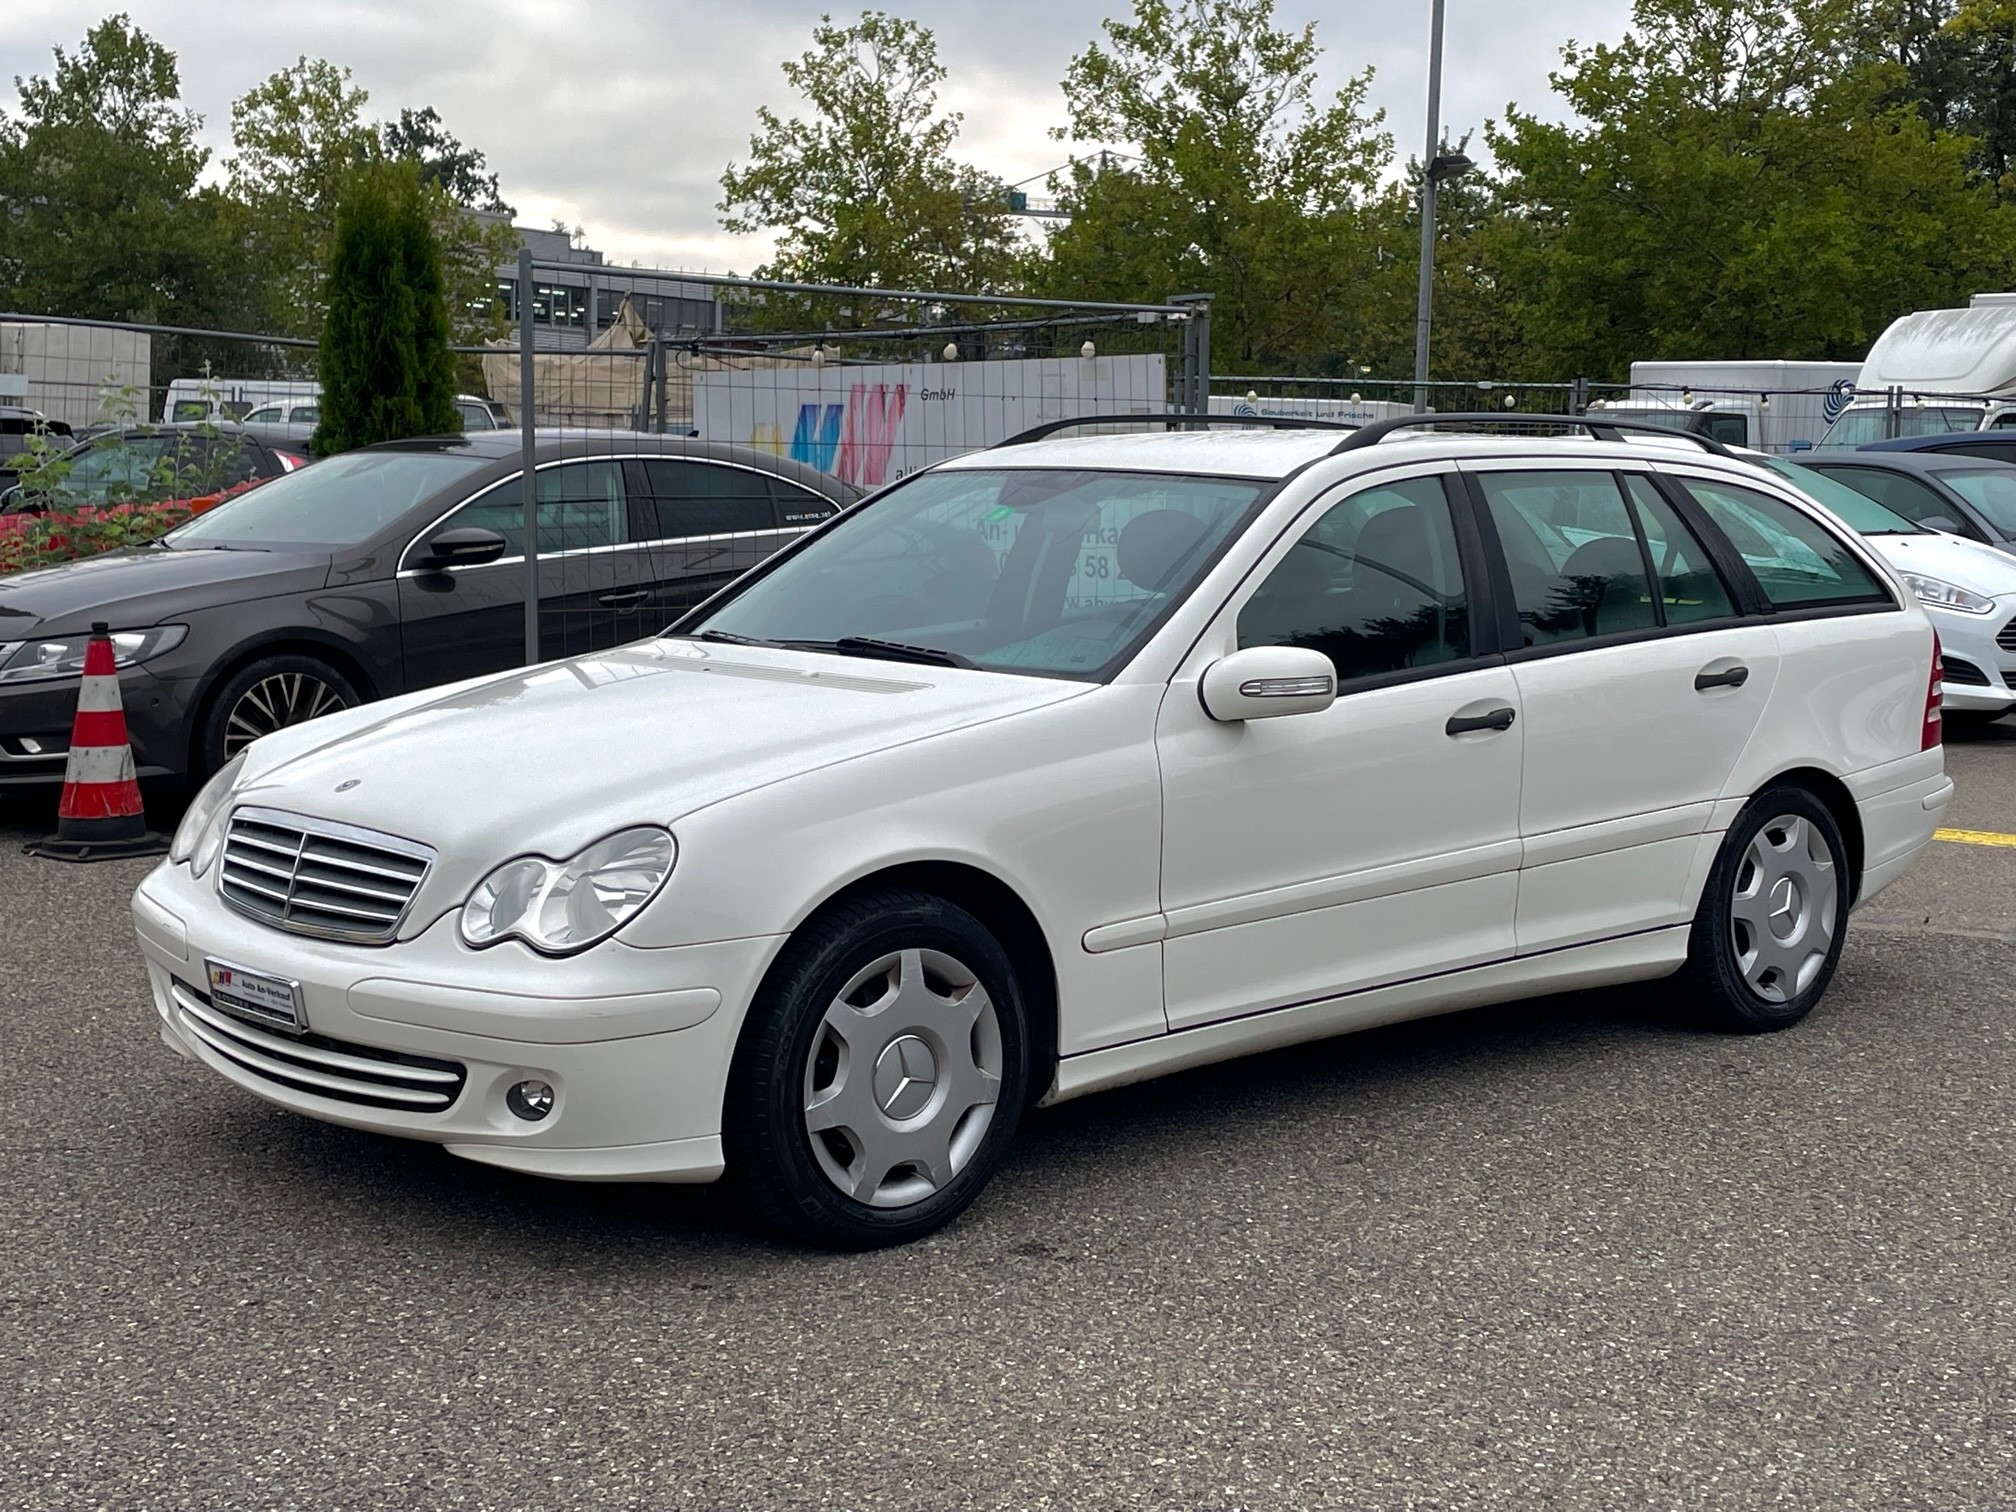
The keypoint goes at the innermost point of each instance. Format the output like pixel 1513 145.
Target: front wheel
pixel 881 1076
pixel 267 695
pixel 1769 931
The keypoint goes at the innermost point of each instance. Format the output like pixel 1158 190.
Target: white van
pixel 231 399
pixel 1768 406
pixel 1936 371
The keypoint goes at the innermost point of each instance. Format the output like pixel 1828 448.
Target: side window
pixel 2004 421
pixel 1907 496
pixel 1797 561
pixel 1374 584
pixel 800 506
pixel 1730 430
pixel 1689 587
pixel 1576 566
pixel 700 499
pixel 580 505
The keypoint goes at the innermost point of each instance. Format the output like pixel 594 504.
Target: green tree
pixel 1230 178
pixel 864 191
pixel 458 170
pixel 386 369
pixel 298 136
pixel 1738 179
pixel 98 176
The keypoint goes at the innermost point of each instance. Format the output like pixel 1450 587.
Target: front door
pixel 471 620
pixel 1318 854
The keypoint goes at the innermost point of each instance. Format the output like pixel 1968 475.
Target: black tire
pixel 772 1168
pixel 1713 985
pixel 216 738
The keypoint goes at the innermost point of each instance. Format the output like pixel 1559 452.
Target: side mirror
pixel 465 546
pixel 1266 682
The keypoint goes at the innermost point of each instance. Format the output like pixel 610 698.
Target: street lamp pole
pixel 1425 303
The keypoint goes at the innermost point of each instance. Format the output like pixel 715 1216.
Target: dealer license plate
pixel 255 995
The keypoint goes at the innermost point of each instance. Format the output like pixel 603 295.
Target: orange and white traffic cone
pixel 100 817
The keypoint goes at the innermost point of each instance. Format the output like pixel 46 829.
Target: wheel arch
pixel 1834 793
pixel 298 643
pixel 1006 916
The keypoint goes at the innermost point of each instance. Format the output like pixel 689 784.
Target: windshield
pixel 1992 490
pixel 1858 511
pixel 1031 569
pixel 339 502
pixel 1878 422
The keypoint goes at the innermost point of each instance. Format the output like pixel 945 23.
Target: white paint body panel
pixel 1201 889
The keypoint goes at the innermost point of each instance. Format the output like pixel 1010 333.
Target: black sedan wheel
pixel 267 695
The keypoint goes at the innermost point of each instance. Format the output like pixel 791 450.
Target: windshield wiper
pixel 725 638
pixel 867 645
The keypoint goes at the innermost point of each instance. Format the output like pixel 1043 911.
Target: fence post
pixel 1578 397
pixel 659 367
pixel 528 455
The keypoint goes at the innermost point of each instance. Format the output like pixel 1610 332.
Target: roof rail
pixel 1172 422
pixel 1602 427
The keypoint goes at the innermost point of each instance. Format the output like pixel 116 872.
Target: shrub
pixel 386 369
pixel 44 540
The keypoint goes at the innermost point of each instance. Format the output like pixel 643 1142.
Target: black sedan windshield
pixel 340 502
pixel 1033 570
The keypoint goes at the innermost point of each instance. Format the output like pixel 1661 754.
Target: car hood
pixel 146 585
pixel 551 758
pixel 1952 559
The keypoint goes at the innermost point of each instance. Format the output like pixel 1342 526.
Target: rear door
pixel 466 621
pixel 704 524
pixel 1641 678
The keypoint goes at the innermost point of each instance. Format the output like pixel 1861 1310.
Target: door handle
pixel 1496 719
pixel 1728 677
pixel 623 598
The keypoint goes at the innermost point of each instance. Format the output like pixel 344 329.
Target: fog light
pixel 530 1100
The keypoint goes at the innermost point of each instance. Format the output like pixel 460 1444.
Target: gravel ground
pixel 1565 1254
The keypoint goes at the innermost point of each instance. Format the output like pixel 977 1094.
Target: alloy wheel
pixel 273 703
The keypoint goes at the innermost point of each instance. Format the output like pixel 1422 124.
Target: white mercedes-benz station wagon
pixel 1061 765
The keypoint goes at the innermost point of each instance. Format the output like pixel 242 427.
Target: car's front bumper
pixel 635 1043
pixel 36 719
pixel 1981 668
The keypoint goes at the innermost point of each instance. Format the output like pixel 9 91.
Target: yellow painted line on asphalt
pixel 1974 837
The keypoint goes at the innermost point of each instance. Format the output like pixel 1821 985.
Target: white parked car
pixel 1968 589
pixel 1057 766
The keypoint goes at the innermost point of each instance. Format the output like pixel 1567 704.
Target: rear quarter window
pixel 1798 562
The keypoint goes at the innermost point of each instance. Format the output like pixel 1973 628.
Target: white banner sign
pixel 871 425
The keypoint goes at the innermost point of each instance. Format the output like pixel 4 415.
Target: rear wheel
pixel 1768 934
pixel 267 695
pixel 881 1076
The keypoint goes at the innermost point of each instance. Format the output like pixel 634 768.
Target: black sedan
pixel 384 570
pixel 175 460
pixel 1952 491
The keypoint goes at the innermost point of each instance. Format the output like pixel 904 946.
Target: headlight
pixel 1943 595
pixel 563 906
pixel 201 831
pixel 30 660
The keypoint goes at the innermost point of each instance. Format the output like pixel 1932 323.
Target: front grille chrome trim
pixel 319 877
pixel 314 1065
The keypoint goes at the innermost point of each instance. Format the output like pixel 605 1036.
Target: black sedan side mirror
pixel 466 546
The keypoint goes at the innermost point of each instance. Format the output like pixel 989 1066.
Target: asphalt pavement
pixel 1568 1254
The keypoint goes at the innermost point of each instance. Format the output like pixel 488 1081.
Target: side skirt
pixel 1604 963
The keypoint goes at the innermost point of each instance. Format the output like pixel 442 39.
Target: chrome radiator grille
pixel 317 877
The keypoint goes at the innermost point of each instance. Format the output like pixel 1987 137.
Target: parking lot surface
pixel 1567 1254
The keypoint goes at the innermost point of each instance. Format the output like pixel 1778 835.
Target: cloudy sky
pixel 618 115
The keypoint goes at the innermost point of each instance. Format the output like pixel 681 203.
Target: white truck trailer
pixel 1936 371
pixel 1770 406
